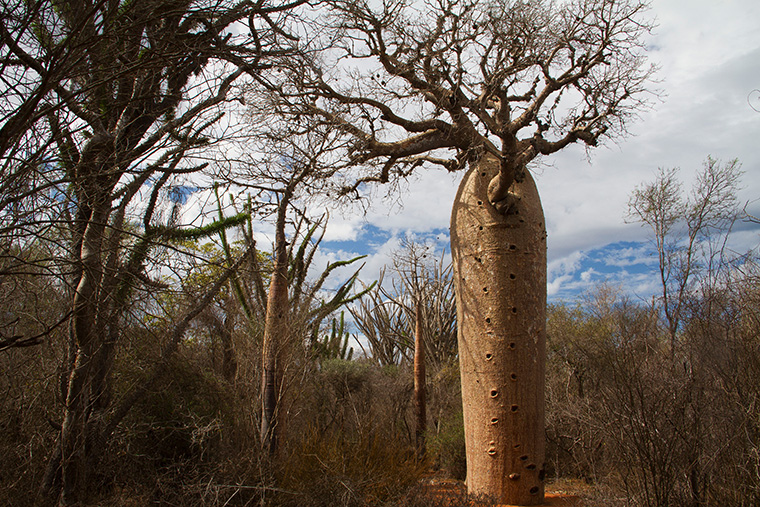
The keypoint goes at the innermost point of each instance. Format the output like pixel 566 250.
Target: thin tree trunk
pixel 419 382
pixel 500 276
pixel 229 357
pixel 275 329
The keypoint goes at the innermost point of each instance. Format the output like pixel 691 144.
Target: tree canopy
pixel 442 81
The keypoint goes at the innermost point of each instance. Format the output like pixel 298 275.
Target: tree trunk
pixel 419 382
pixel 275 330
pixel 500 276
pixel 78 403
pixel 229 357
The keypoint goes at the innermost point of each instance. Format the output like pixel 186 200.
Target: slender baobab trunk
pixel 500 277
pixel 275 330
pixel 419 381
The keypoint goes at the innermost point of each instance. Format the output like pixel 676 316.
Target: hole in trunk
pixel 524 457
pixel 489 356
pixel 534 490
pixel 531 467
pixel 513 408
pixel 512 276
pixel 495 421
pixel 513 376
pixel 494 393
pixel 514 309
pixel 512 345
pixel 488 320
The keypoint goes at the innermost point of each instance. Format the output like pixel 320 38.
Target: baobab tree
pixel 492 85
pixel 424 295
pixel 279 166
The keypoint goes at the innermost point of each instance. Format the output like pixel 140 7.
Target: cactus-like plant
pixel 334 345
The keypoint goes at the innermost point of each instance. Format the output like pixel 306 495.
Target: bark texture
pixel 275 333
pixel 500 276
pixel 419 382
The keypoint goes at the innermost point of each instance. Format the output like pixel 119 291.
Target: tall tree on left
pixel 106 105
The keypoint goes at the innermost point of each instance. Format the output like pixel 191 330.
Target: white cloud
pixel 562 271
pixel 423 206
pixel 341 228
pixel 587 274
pixel 630 256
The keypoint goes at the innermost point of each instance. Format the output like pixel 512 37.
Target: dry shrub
pixel 348 437
pixel 330 470
pixel 445 436
pixel 29 403
pixel 446 493
pixel 186 441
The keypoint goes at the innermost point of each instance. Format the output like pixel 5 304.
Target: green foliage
pixel 28 383
pixel 334 345
pixel 184 416
pixel 345 377
pixel 205 231
pixel 188 431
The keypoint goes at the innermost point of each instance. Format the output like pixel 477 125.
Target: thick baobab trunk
pixel 500 277
pixel 419 381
